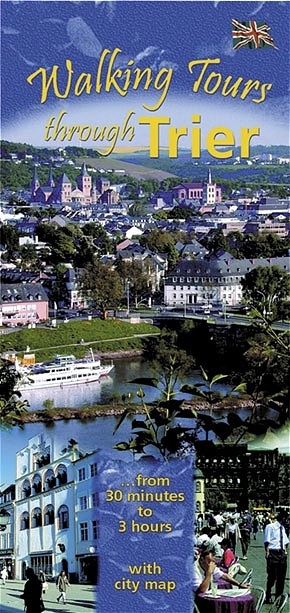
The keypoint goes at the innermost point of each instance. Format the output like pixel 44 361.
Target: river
pixel 100 392
pixel 91 435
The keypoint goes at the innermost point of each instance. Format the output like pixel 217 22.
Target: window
pixel 48 517
pixel 49 481
pixel 36 519
pixel 84 531
pixel 63 517
pixel 61 474
pixel 95 499
pixel 24 521
pixel 95 529
pixel 26 489
pixel 36 484
pixel 82 474
pixel 83 503
pixel 94 469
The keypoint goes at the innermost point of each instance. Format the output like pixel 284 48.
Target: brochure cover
pixel 162 92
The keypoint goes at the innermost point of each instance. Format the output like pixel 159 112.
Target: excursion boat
pixel 64 370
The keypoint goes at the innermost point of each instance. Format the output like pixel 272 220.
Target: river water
pixel 100 392
pixel 91 435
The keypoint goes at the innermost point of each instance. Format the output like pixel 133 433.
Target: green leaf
pixel 158 417
pixel 204 374
pixel 218 378
pixel 234 420
pixel 222 430
pixel 193 389
pixel 122 446
pixel 138 423
pixel 120 419
pixel 186 413
pixel 150 381
pixel 242 387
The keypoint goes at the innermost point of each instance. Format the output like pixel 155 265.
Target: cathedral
pixel 84 193
pixel 207 192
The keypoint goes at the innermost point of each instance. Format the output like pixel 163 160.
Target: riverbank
pixel 118 355
pixel 85 413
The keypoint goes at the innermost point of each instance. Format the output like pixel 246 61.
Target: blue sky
pixel 154 35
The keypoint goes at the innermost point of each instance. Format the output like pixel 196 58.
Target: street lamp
pixel 4 519
pixel 264 303
pixel 128 298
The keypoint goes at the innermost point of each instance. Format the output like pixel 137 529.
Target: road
pixel 81 598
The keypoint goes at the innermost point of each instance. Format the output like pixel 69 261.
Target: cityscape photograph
pixel 144 309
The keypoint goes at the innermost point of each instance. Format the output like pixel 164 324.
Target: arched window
pixel 49 480
pixel 36 484
pixel 36 519
pixel 48 515
pixel 61 474
pixel 26 489
pixel 24 521
pixel 198 487
pixel 63 517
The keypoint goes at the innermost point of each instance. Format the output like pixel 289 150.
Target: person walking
pixel 255 528
pixel 245 530
pixel 42 578
pixel 32 593
pixel 232 533
pixel 62 584
pixel 275 543
pixel 4 575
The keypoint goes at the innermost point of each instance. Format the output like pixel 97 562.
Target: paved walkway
pixel 256 560
pixel 81 598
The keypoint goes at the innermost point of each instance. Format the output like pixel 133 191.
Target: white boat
pixel 64 370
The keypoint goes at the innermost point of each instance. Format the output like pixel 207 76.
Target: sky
pixel 164 37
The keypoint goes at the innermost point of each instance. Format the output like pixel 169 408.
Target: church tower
pixel 209 190
pixel 35 185
pixel 51 182
pixel 84 182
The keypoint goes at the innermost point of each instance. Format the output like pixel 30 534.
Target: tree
pixel 162 242
pixel 215 241
pixel 10 239
pixel 102 285
pixel 266 290
pixel 59 292
pixel 169 363
pixel 134 278
pixel 12 408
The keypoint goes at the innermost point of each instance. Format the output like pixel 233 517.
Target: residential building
pixel 7 534
pixel 213 279
pixel 22 303
pixel 56 523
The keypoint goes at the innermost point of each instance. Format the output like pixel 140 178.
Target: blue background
pixel 173 551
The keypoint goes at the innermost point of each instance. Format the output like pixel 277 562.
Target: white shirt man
pixel 275 542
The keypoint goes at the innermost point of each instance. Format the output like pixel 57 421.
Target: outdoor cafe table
pixel 240 601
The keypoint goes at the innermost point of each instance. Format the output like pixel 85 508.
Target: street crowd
pixel 216 538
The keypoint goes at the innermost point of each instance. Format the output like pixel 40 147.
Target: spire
pixel 84 171
pixel 209 176
pixel 51 182
pixel 34 184
pixel 35 180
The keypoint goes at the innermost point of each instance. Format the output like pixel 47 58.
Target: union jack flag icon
pixel 251 34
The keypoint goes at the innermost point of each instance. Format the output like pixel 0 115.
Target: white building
pixel 215 280
pixel 55 509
